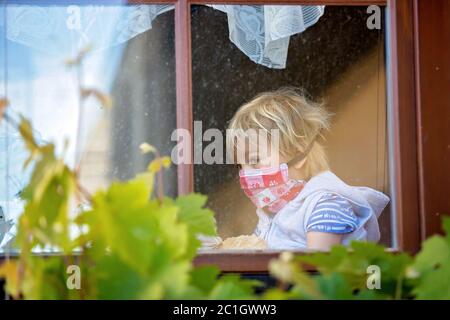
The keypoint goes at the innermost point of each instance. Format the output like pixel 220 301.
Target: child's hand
pixel 322 241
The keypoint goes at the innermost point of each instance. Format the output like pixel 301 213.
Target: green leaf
pixel 435 285
pixel 289 271
pixel 200 220
pixel 169 282
pixel 334 287
pixel 432 266
pixel 114 279
pixel 47 196
pixel 121 218
pixel 204 278
pixel 326 261
pixel 27 135
pixel 352 264
pixel 148 178
pixel 446 227
pixel 45 279
pixel 435 251
pixel 279 294
pixel 232 287
pixel 159 163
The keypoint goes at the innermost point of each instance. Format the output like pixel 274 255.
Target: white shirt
pixel 287 229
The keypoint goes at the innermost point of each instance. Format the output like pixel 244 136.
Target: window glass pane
pixel 118 96
pixel 241 51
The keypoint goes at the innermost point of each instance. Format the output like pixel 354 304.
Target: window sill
pixel 246 261
pixel 228 261
pixel 242 260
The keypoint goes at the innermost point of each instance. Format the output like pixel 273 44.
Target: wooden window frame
pixel 402 124
pixel 402 85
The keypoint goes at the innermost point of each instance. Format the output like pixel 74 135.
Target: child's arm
pixel 322 240
pixel 331 219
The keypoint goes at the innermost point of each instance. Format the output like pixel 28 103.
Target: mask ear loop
pixel 303 155
pixel 294 160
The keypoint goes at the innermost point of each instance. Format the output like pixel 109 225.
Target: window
pixel 166 66
pixel 120 95
pixel 337 59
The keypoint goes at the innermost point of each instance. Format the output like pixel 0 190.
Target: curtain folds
pixel 261 32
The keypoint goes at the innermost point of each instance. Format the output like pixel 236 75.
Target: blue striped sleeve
pixel 332 214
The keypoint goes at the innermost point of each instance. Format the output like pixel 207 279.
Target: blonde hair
pixel 300 122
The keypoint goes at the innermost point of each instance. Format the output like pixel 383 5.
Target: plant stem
pixel 398 288
pixel 160 178
pixel 79 72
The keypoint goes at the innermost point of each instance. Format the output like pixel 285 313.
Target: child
pixel 300 203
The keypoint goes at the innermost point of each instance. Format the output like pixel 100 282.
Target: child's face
pixel 257 158
pixel 260 157
pixel 261 161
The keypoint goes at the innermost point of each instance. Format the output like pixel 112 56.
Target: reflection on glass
pixel 336 59
pixel 126 78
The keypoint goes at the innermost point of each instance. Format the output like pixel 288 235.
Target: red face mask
pixel 270 187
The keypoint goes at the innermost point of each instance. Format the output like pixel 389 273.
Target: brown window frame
pixel 402 71
pixel 403 124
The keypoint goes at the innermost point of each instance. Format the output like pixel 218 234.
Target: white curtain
pixel 261 32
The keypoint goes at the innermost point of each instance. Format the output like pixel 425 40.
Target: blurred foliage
pixel 131 243
pixel 344 273
pixel 135 245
